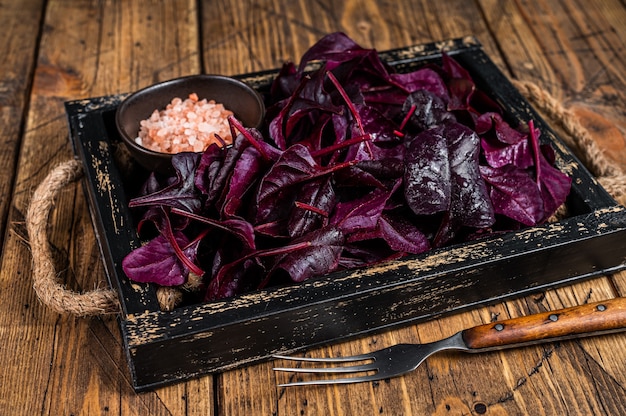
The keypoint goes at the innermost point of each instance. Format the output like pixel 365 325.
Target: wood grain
pixel 18 46
pixel 57 50
pixel 78 366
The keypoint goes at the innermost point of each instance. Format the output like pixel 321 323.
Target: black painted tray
pixel 164 347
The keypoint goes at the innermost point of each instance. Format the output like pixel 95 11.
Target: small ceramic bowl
pixel 236 96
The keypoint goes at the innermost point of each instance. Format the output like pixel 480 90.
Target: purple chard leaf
pixel 157 261
pixel 470 205
pixel 318 255
pixel 314 201
pixel 181 193
pixel 514 194
pixel 427 175
pixel 275 194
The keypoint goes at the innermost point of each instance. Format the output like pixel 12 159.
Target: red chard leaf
pixel 430 110
pixel 470 205
pixel 362 213
pixel 181 193
pixel 401 235
pixel 243 180
pixel 233 279
pixel 424 79
pixel 294 166
pixel 314 201
pixel 318 257
pixel 209 167
pixel 514 194
pixel 157 262
pixel 427 175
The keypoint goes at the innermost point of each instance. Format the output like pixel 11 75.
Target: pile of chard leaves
pixel 358 165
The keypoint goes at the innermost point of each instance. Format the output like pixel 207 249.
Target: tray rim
pixel 136 322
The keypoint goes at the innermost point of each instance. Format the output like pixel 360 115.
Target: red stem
pixel 278 251
pixel 311 208
pixel 275 252
pixel 408 116
pixel 262 227
pixel 179 252
pixel 333 168
pixel 282 250
pixel 338 146
pixel 235 123
pixel 219 139
pixel 200 218
pixel 349 103
pixel 535 144
pixel 199 237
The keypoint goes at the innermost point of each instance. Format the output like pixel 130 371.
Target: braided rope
pixel 45 282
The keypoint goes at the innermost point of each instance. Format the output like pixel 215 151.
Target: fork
pixel 576 322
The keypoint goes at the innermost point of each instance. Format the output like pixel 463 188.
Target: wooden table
pixel 58 50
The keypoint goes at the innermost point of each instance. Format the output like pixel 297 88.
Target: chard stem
pixel 351 107
pixel 349 103
pixel 200 218
pixel 274 252
pixel 282 250
pixel 407 117
pixel 199 237
pixel 535 145
pixel 338 146
pixel 246 134
pixel 179 252
pixel 311 208
pixel 268 225
pixel 223 144
pixel 333 168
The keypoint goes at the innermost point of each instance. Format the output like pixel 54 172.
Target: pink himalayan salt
pixel 185 126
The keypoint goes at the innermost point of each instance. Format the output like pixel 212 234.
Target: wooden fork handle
pixel 590 319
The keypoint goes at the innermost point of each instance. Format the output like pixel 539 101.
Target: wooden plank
pixel 18 46
pixel 262 35
pixel 64 365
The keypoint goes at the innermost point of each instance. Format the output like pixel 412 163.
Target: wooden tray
pixel 165 347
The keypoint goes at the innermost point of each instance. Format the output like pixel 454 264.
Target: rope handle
pixel 104 301
pixel 45 282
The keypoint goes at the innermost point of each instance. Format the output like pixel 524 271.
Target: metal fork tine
pixel 361 357
pixel 346 380
pixel 384 363
pixel 344 369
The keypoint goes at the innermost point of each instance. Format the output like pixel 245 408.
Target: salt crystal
pixel 182 123
pixel 204 127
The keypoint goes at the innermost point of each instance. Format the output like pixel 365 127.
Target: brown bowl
pixel 246 104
